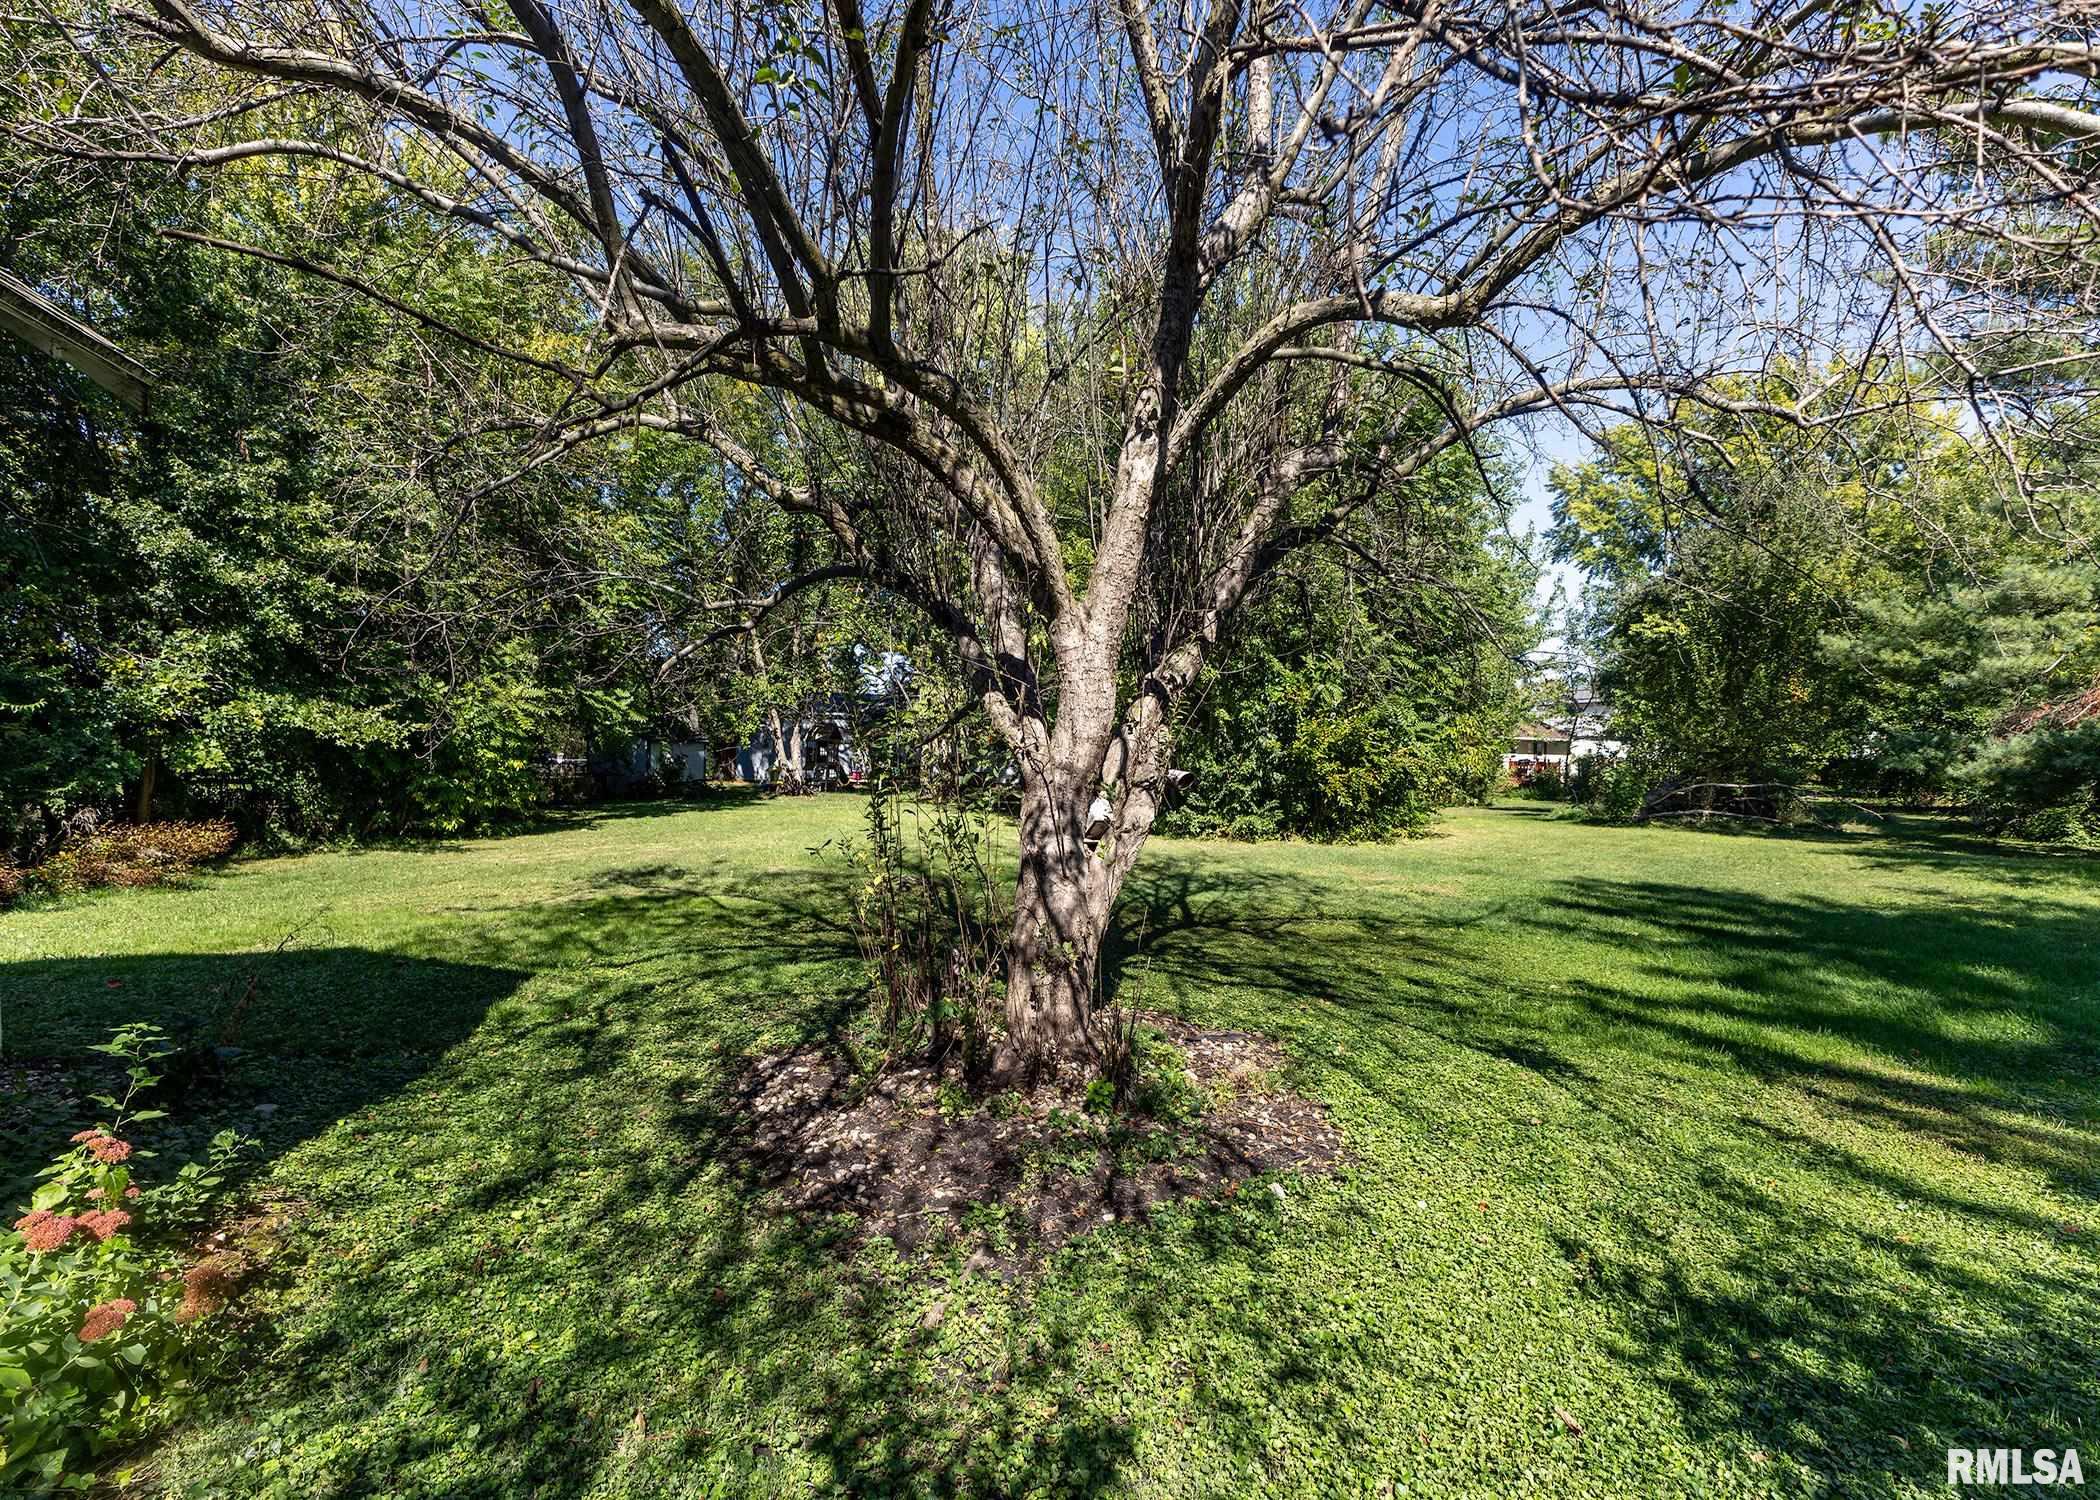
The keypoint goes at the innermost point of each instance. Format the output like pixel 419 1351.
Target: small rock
pixel 1277 1189
pixel 935 1316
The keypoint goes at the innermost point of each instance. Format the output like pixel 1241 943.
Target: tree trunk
pixel 1064 896
pixel 143 811
pixel 778 734
pixel 1060 909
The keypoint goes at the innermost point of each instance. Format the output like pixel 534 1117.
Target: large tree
pixel 1147 296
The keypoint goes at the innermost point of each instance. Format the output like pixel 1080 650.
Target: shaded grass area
pixel 1770 1164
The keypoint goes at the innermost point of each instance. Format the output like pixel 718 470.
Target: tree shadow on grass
pixel 1771 1340
pixel 563 1174
pixel 1969 1022
pixel 1527 809
pixel 437 1110
pixel 572 1174
pixel 714 797
pixel 1271 931
pixel 1915 843
pixel 277 1044
pixel 1911 1043
pixel 747 1357
pixel 448 1112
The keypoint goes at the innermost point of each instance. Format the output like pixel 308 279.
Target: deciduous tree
pixel 1149 295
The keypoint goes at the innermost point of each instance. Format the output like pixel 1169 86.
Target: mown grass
pixel 1770 1164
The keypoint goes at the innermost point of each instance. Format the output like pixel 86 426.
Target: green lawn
pixel 1771 1163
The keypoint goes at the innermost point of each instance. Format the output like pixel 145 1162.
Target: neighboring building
pixel 1566 730
pixel 1534 748
pixel 634 767
pixel 826 741
pixel 823 736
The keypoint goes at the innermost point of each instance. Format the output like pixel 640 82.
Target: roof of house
pixel 33 317
pixel 1538 732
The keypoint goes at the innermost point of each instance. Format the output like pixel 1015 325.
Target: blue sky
pixel 1553 440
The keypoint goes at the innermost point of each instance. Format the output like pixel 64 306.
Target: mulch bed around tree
pixel 1023 1172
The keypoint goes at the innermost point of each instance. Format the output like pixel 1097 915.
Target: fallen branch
pixel 1799 794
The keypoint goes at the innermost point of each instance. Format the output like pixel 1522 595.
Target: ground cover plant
pixel 124 854
pixel 107 1330
pixel 906 1155
pixel 1672 1163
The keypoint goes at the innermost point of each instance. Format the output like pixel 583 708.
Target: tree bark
pixel 143 811
pixel 1064 896
pixel 778 733
pixel 1060 905
pixel 787 748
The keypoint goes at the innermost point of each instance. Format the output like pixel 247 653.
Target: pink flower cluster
pixel 44 1230
pixel 105 1318
pixel 103 1223
pixel 107 1148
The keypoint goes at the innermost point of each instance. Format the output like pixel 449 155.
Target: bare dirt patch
pixel 910 1158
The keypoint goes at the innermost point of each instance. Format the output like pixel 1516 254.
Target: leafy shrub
pixel 2040 783
pixel 1160 1082
pixel 929 918
pixel 128 854
pixel 1547 785
pixel 1616 789
pixel 101 1334
pixel 2077 824
pixel 481 767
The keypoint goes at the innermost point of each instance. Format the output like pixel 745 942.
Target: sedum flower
pixel 206 1288
pixel 44 1230
pixel 104 1222
pixel 105 1318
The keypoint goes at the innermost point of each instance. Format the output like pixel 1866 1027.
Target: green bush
pixel 102 1333
pixel 1611 790
pixel 482 769
pixel 2074 823
pixel 2042 783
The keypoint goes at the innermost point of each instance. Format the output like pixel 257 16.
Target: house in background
pixel 638 768
pixel 1566 728
pixel 1534 748
pixel 822 737
pixel 1586 721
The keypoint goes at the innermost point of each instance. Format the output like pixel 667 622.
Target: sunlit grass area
pixel 1679 1163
